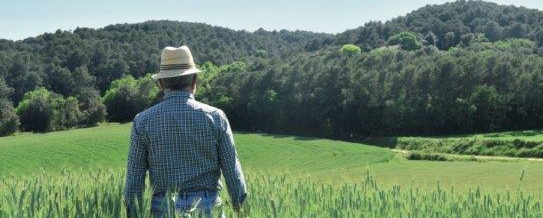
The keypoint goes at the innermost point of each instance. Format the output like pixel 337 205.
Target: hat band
pixel 176 66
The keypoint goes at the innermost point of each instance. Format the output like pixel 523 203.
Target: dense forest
pixel 457 67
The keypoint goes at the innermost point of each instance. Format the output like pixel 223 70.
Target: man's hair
pixel 178 82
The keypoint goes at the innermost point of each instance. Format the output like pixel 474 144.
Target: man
pixel 184 144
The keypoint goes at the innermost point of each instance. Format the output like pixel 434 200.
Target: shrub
pixel 426 156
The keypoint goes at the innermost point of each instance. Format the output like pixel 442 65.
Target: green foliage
pixel 407 40
pixel 5 90
pixel 36 110
pixel 451 23
pixel 487 103
pixel 69 114
pixel 127 96
pixel 92 108
pixel 426 156
pixel 9 121
pixel 388 91
pixel 42 111
pixel 350 49
pixel 395 92
pixel 430 39
pixel 492 30
pixel 472 146
pixel 521 45
pixel 538 37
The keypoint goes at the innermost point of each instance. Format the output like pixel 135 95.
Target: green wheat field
pixel 80 173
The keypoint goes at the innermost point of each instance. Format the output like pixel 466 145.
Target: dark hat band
pixel 176 66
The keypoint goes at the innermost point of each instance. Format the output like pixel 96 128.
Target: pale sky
pixel 24 18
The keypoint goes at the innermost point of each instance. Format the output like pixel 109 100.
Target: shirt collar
pixel 177 93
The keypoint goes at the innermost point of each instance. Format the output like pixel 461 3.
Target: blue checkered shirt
pixel 184 144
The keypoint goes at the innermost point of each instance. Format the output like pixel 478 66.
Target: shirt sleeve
pixel 136 169
pixel 229 163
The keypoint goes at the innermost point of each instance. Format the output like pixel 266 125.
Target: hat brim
pixel 174 73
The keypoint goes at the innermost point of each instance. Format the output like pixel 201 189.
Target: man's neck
pixel 189 91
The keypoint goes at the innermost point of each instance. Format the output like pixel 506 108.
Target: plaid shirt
pixel 184 144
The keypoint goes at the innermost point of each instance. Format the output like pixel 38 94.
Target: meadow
pixel 80 173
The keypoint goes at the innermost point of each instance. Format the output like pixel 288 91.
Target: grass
pixel 80 172
pixel 527 143
pixel 528 135
pixel 105 147
pixel 98 194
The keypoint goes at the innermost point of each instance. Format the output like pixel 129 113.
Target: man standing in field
pixel 184 144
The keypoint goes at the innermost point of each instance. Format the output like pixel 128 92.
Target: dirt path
pixel 480 157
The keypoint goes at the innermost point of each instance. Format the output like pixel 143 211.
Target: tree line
pixel 486 86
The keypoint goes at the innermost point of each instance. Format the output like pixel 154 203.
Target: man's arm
pixel 229 163
pixel 136 170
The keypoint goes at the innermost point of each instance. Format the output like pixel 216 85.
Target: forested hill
pixel 451 24
pixel 458 67
pixel 134 49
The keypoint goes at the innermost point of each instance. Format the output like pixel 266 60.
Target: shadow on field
pixel 275 136
pixel 304 138
pixel 384 142
pixel 298 138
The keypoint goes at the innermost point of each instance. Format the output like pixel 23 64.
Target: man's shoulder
pixel 147 113
pixel 205 108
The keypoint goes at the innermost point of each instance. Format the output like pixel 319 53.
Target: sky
pixel 20 19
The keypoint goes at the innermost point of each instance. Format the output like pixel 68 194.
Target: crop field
pixel 80 173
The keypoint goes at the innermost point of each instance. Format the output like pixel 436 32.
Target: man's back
pixel 185 145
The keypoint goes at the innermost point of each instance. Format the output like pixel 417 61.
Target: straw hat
pixel 175 62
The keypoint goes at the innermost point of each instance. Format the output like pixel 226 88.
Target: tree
pixel 516 30
pixel 9 121
pixel 317 90
pixel 487 102
pixel 127 96
pixel 68 113
pixel 538 37
pixel 60 80
pixel 492 30
pixel 36 111
pixel 42 110
pixel 92 109
pixel 407 40
pixel 5 90
pixel 430 39
pixel 449 40
pixel 350 49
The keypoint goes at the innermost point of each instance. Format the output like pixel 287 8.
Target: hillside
pixel 104 149
pixel 472 66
